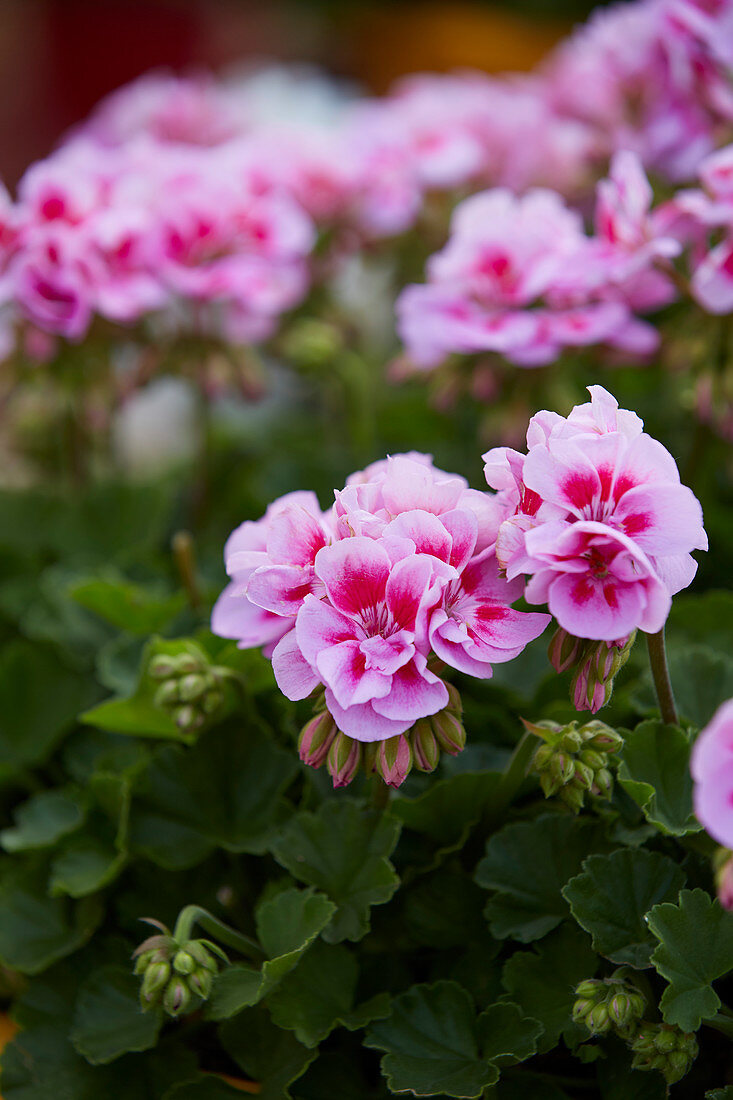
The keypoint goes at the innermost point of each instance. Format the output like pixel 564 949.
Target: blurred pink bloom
pixel 711 764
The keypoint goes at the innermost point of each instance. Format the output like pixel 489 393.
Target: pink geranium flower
pixel 595 581
pixel 270 562
pixel 367 642
pixel 712 771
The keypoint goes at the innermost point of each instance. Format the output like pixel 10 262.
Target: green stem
pixel 194 914
pixel 721 1022
pixel 379 794
pixel 660 675
pixel 185 559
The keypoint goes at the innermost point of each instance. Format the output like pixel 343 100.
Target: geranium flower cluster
pixel 411 571
pixel 712 771
pixel 197 203
pixel 600 525
pixel 366 603
pixel 519 276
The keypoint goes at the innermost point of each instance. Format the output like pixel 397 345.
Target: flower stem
pixel 511 781
pixel 185 559
pixel 660 675
pixel 379 795
pixel 194 914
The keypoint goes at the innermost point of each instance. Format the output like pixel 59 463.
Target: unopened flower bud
pixel 167 694
pixel 602 783
pixel 316 738
pixel 597 1020
pixel 449 731
pixel 187 664
pixel 188 718
pixel 394 761
pixel 154 979
pixel 665 1048
pixel 212 700
pixel 425 748
pixel 200 982
pixel 564 650
pixel 192 687
pixel 163 666
pixel 177 997
pixel 597 735
pixel 455 703
pixel 343 759
pixel 183 962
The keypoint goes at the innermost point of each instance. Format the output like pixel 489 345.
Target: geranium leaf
pixel 108 1020
pixel 43 820
pixel 136 608
pixel 36 930
pixel 695 948
pixel 542 981
pixel 286 926
pixel 655 771
pixel 343 849
pixel 612 896
pixel 225 791
pixel 448 807
pixel 527 864
pixel 268 1055
pixel 39 701
pixel 319 995
pixel 432 1043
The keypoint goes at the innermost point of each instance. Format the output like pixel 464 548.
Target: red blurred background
pixel 59 57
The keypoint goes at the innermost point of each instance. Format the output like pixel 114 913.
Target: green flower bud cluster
pixel 189 688
pixel 665 1048
pixel 608 1005
pixel 176 976
pixel 320 741
pixel 574 760
pixel 612 1005
pixel 312 343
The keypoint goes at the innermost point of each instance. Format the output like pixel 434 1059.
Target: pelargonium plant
pixel 396 802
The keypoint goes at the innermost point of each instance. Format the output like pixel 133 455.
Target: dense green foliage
pixel 430 943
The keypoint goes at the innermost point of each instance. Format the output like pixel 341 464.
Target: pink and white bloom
pixel 596 582
pixel 597 518
pixel 711 765
pixel 366 642
pixel 273 558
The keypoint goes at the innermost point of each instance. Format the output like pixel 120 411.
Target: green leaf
pixel 39 701
pixel 108 1020
pixel 84 866
pixel 702 678
pixel 135 608
pixel 695 948
pixel 319 995
pixel 444 909
pixel 720 1094
pixel 542 981
pixel 612 896
pixel 35 929
pixel 343 849
pixel 224 792
pixel 527 864
pixel 655 771
pixel 448 809
pixel 435 1044
pixel 43 820
pixel 268 1055
pixel 432 1043
pixel 287 925
pixel 507 1035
